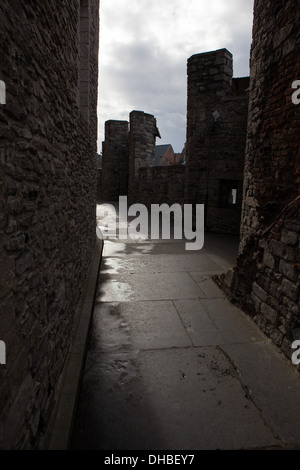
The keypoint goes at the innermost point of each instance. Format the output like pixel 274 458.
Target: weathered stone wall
pixel 176 186
pixel 268 271
pixel 272 164
pixel 275 290
pixel 48 195
pixel 158 185
pixel 145 193
pixel 99 185
pixel 215 147
pixel 142 139
pixel 115 160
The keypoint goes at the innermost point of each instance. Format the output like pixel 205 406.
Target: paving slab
pixel 273 385
pixel 172 364
pixel 225 251
pixel 231 322
pixel 164 263
pixel 138 325
pixel 208 286
pixel 198 324
pixel 175 399
pixel 147 286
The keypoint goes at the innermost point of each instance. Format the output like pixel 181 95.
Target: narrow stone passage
pixel 172 364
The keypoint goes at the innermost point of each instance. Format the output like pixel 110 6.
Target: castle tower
pixel 115 160
pixel 216 137
pixel 142 139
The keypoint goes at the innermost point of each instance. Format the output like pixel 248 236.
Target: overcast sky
pixel 144 47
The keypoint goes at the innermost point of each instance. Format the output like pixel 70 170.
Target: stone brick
pixel 293 308
pixel 259 292
pixel 256 301
pixel 276 336
pixel 289 238
pixel 296 334
pixel 23 262
pixel 293 225
pixel 269 313
pixel 288 269
pixel 281 250
pixel 268 260
pixel 290 289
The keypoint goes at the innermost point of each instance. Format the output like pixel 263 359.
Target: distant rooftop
pixel 161 151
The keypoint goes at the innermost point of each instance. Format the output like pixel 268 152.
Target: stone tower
pixel 142 139
pixel 115 160
pixel 216 138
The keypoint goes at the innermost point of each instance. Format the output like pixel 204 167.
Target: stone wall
pixel 115 160
pixel 216 137
pixel 268 270
pixel 142 140
pixel 158 185
pixel 48 60
pixel 99 185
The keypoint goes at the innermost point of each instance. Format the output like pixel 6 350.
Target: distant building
pixel 165 156
pixel 178 159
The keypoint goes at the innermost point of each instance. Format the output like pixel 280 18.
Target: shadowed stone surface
pixel 170 399
pixel 172 364
pixel 48 128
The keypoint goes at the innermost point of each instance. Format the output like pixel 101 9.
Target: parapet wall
pixel 159 185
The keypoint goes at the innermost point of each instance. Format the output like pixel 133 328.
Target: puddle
pixel 111 289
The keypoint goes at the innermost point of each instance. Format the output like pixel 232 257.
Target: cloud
pixel 144 49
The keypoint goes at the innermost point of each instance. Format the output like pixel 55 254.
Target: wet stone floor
pixel 172 364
